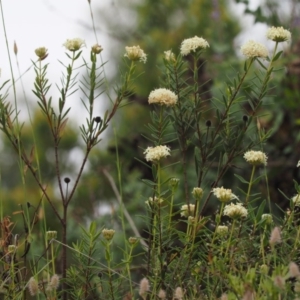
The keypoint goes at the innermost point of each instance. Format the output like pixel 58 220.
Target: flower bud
pixel 108 234
pixel 51 235
pixel 41 53
pixel 197 193
pixel 97 49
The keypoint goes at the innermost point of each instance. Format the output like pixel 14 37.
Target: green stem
pixel 250 185
pixel 230 237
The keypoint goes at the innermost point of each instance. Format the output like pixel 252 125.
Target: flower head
pixel 235 211
pixel 197 193
pixel 108 234
pixel 278 34
pixel 178 294
pixel 169 56
pixel 187 210
pixel 154 201
pixel 275 237
pixel 54 283
pixel 267 218
pixel 51 235
pixel 293 270
pixel 163 97
pixel 135 53
pixel 192 45
pixel 279 281
pixel 144 288
pixel 253 49
pixel 296 200
pixel 154 154
pixel 74 44
pixel 41 53
pixel 162 294
pixel 256 158
pixel 224 195
pixel 33 286
pixel 97 49
pixel 222 230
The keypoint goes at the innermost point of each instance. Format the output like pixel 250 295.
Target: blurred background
pixel 157 26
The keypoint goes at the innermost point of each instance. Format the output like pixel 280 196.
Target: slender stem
pixel 249 186
pixel 230 237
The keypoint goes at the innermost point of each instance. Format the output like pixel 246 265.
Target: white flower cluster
pixel 187 210
pixel 278 34
pixel 222 230
pixel 154 201
pixel 135 53
pixel 108 234
pixel 156 153
pixel 169 56
pixel 192 45
pixel 163 97
pixel 74 44
pixel 224 195
pixel 235 211
pixel 256 158
pixel 253 49
pixel 267 218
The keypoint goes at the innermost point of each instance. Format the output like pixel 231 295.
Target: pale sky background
pixel 36 23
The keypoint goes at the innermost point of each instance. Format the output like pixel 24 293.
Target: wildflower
pixel 163 97
pixel 275 237
pixel 298 164
pixel 162 294
pixel 133 240
pixel 224 195
pixel 253 49
pixel 267 218
pixel 74 44
pixel 153 201
pixel 235 211
pixel 174 182
pixel 197 193
pixel 296 200
pixel 278 34
pixel 41 53
pixel 108 234
pixel 144 288
pixel 154 154
pixel 193 44
pixel 264 269
pixel 279 282
pixel 222 230
pixel 293 270
pixel 178 295
pixel 256 158
pixel 135 53
pixel 33 286
pixel 97 49
pixel 51 235
pixel 54 283
pixel 187 210
pixel 170 56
